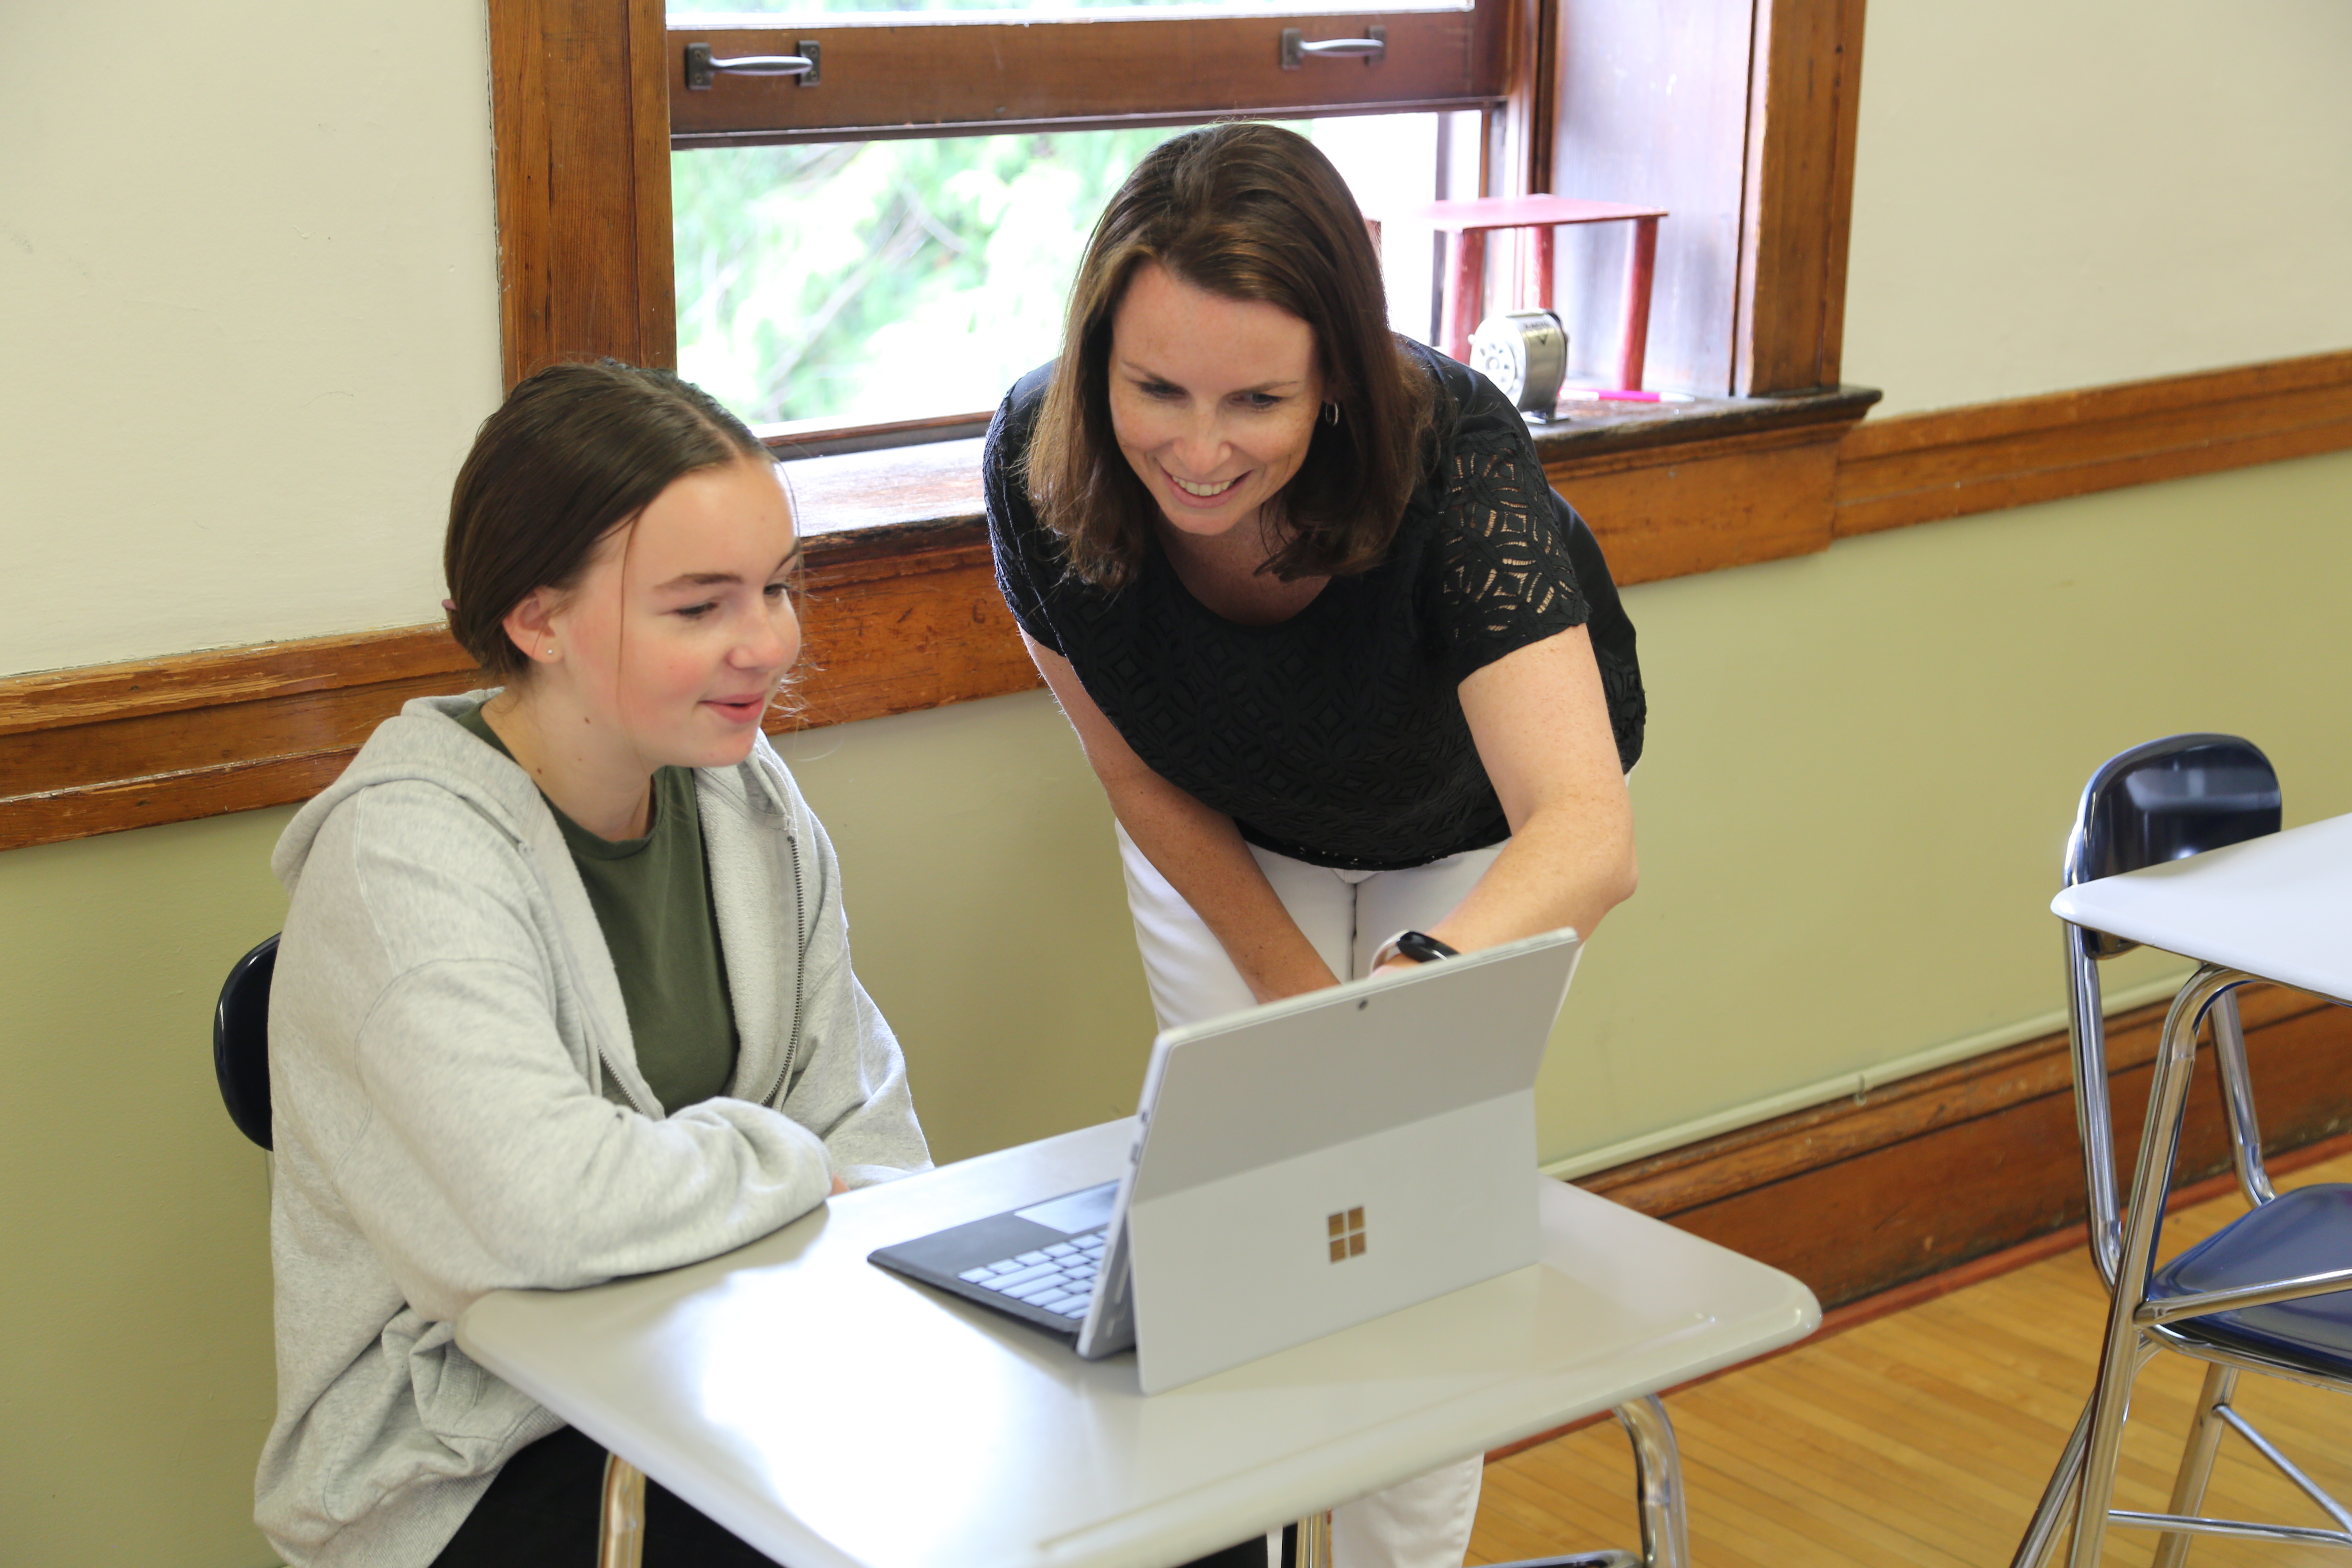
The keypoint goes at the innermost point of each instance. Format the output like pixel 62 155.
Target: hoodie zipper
pixel 800 974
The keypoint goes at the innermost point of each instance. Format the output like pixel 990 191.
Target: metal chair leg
pixel 1658 1466
pixel 621 1535
pixel 2197 1461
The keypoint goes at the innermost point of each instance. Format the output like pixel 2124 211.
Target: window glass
pixel 870 281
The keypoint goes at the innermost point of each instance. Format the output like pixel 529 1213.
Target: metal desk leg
pixel 2057 1501
pixel 2119 1358
pixel 621 1534
pixel 2057 1505
pixel 1658 1474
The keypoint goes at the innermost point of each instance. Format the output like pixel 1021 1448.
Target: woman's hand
pixel 1541 726
pixel 1198 850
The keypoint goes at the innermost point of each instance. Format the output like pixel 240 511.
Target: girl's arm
pixel 1541 727
pixel 1197 849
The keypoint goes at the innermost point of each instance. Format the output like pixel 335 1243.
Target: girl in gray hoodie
pixel 564 992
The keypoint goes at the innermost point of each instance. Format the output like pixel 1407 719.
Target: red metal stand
pixel 1467 223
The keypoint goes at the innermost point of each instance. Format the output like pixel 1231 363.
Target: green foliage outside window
pixel 877 280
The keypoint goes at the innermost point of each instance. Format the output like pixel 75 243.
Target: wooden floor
pixel 1923 1439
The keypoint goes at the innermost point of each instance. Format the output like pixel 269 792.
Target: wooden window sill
pixel 859 509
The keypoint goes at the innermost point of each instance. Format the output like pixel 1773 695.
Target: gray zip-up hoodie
pixel 458 1109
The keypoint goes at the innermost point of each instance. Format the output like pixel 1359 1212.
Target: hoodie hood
pixel 422 743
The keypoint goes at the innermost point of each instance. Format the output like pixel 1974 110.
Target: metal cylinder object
pixel 1525 354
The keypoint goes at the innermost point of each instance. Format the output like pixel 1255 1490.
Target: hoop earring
pixel 1330 414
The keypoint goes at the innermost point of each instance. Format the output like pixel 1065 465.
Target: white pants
pixel 1423 1522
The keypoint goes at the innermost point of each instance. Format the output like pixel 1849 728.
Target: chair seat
pixel 2300 1232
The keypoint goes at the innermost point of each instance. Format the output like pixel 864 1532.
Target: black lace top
pixel 1336 736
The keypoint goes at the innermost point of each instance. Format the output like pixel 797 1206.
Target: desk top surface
pixel 834 1415
pixel 2278 907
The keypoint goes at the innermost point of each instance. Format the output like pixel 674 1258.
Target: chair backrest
pixel 2166 800
pixel 241 1041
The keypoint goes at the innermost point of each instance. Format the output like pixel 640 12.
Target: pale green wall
pixel 135 1371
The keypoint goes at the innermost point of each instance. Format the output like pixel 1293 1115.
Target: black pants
pixel 544 1511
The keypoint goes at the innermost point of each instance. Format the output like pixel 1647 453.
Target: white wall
pixel 2054 194
pixel 248 312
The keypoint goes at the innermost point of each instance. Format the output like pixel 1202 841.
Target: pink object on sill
pixel 1469 222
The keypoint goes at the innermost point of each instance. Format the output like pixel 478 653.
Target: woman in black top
pixel 1301 588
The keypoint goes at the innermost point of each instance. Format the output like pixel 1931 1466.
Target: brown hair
pixel 574 452
pixel 1248 212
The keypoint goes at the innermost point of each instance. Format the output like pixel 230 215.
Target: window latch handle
pixel 1371 49
pixel 701 70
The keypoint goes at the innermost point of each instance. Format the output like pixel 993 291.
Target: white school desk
pixel 838 1416
pixel 2277 908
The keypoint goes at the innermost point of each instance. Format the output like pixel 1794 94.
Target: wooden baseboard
pixel 1930 1172
pixel 1923 467
pixel 903 612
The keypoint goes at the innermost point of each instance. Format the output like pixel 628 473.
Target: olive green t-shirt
pixel 652 899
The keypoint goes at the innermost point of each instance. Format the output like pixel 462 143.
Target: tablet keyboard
pixel 1059 1278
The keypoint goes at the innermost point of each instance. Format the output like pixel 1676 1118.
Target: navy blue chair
pixel 241 1041
pixel 2163 801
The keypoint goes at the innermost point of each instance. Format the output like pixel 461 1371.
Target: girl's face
pixel 1212 400
pixel 682 626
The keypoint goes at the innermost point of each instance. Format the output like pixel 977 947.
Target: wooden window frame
pixel 582 120
pixel 909 615
pixel 948 75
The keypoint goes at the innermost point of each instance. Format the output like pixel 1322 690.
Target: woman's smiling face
pixel 1212 401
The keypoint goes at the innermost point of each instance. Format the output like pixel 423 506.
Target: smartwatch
pixel 1418 946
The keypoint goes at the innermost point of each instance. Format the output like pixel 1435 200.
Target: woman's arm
pixel 1541 726
pixel 1197 849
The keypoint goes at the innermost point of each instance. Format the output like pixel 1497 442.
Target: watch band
pixel 1418 946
